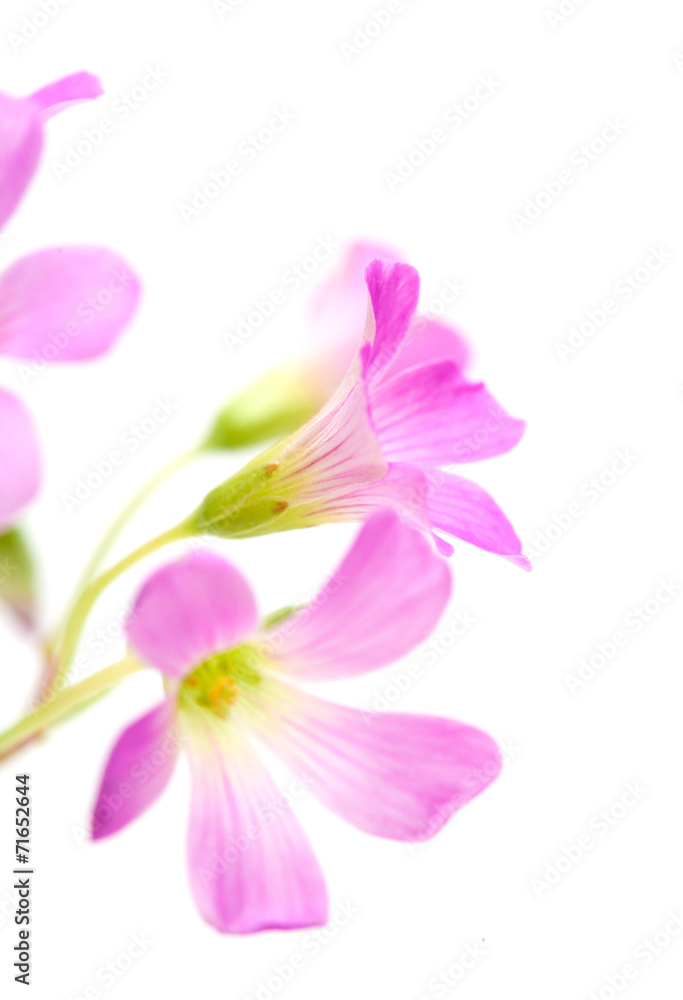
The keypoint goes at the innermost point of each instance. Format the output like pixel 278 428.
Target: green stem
pixel 83 606
pixel 62 704
pixel 115 530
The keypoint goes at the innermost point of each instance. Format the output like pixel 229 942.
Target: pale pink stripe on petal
pixel 385 598
pixel 19 456
pixel 65 304
pixel 392 775
pixel 189 610
pixel 460 507
pixel 21 139
pixel 138 770
pixel 251 866
pixel 64 93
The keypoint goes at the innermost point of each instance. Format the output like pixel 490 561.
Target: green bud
pixel 17 577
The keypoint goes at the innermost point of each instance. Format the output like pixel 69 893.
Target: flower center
pixel 216 683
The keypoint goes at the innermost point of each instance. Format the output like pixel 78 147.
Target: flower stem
pixel 63 704
pixel 83 605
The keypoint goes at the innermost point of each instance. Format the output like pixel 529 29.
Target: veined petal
pixel 21 140
pixel 138 770
pixel 459 507
pixel 64 93
pixel 429 340
pixel 189 610
pixel 428 416
pixel 251 866
pixel 385 598
pixel 394 291
pixel 66 304
pixel 392 775
pixel 338 311
pixel 19 456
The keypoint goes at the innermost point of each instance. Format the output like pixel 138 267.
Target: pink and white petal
pixel 138 770
pixel 459 507
pixel 386 597
pixel 190 610
pixel 251 867
pixel 19 456
pixel 21 140
pixel 428 416
pixel 66 304
pixel 338 309
pixel 394 291
pixel 64 93
pixel 429 340
pixel 392 775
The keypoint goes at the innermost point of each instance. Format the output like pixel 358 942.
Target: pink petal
pixel 392 775
pixel 429 340
pixel 189 610
pixel 21 139
pixel 19 456
pixel 138 770
pixel 251 866
pixel 461 508
pixel 64 93
pixel 394 290
pixel 65 304
pixel 390 575
pixel 339 307
pixel 427 416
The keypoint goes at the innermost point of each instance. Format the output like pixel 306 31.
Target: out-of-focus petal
pixel 64 93
pixel 392 775
pixel 19 456
pixel 190 610
pixel 429 340
pixel 386 597
pixel 459 507
pixel 21 140
pixel 138 770
pixel 65 304
pixel 251 866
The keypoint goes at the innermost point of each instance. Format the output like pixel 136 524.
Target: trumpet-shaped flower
pixel 403 411
pixel 231 684
pixel 59 304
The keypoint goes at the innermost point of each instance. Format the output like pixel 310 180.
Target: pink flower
pixel 60 304
pixel 229 681
pixel 403 411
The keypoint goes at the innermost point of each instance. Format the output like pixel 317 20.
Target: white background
pixel 573 754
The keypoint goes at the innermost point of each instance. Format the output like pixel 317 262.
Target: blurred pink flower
pixel 227 680
pixel 60 304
